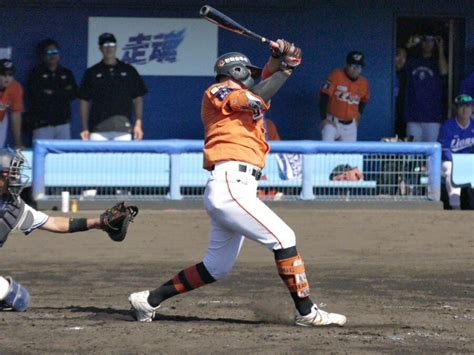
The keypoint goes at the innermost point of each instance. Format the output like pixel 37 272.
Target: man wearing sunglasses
pixel 456 135
pixel 109 91
pixel 11 102
pixel 342 100
pixel 51 89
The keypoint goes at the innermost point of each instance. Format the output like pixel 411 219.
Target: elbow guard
pixel 247 101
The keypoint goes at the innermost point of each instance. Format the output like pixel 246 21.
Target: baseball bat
pixel 224 21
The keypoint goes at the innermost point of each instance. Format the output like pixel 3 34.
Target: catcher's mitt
pixel 114 221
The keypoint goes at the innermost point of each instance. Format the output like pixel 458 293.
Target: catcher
pixel 16 214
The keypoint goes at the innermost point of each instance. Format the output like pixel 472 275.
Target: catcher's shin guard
pixel 291 269
pixel 17 297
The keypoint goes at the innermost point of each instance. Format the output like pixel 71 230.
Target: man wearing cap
pixel 456 135
pixel 235 149
pixel 342 100
pixel 426 70
pixel 11 100
pixel 51 89
pixel 108 92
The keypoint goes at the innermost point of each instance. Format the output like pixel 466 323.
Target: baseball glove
pixel 345 172
pixel 114 221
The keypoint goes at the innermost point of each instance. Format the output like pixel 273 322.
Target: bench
pixel 463 170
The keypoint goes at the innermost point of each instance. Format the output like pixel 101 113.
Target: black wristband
pixel 77 225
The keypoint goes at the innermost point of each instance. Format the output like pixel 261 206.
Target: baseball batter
pixel 456 135
pixel 234 152
pixel 15 214
pixel 342 100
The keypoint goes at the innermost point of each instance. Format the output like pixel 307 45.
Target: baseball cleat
pixel 318 318
pixel 141 309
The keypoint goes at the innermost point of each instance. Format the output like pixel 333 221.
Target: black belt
pixel 345 122
pixel 256 173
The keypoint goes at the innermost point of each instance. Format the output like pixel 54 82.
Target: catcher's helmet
pixel 238 67
pixel 11 163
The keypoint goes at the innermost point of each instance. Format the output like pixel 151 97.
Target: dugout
pixel 326 31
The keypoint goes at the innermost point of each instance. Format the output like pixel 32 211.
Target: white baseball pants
pixel 423 131
pixel 110 136
pixel 336 131
pixel 454 193
pixel 62 131
pixel 231 201
pixel 3 131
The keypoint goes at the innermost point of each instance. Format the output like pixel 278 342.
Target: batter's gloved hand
pixel 288 53
pixel 292 59
pixel 282 49
pixel 114 221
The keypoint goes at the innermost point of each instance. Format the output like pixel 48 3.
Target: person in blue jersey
pixel 425 73
pixel 457 136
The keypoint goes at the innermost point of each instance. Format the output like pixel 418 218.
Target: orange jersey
pixel 271 130
pixel 11 99
pixel 345 94
pixel 233 131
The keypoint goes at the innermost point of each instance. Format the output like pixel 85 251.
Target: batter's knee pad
pixel 17 297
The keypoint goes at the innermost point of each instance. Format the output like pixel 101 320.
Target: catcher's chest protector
pixel 12 212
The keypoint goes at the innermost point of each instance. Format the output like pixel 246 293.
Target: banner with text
pixel 158 46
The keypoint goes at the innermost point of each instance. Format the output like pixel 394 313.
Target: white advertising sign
pixel 158 46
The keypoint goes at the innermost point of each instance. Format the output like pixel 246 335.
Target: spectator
pixel 456 136
pixel 51 89
pixel 342 100
pixel 11 100
pixel 271 131
pixel 424 90
pixel 110 89
pixel 399 91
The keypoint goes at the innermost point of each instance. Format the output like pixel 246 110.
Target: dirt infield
pixel 403 279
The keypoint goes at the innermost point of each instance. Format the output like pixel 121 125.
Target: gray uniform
pixel 16 214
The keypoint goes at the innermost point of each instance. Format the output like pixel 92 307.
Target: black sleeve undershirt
pixel 323 105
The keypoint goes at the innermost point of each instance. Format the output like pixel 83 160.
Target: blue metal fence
pixel 172 169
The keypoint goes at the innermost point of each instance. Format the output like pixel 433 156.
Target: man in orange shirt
pixel 11 100
pixel 234 152
pixel 342 100
pixel 271 131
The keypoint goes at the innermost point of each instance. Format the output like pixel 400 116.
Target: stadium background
pixel 324 30
pixel 403 278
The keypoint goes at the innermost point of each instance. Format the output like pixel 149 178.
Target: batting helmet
pixel 11 163
pixel 238 67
